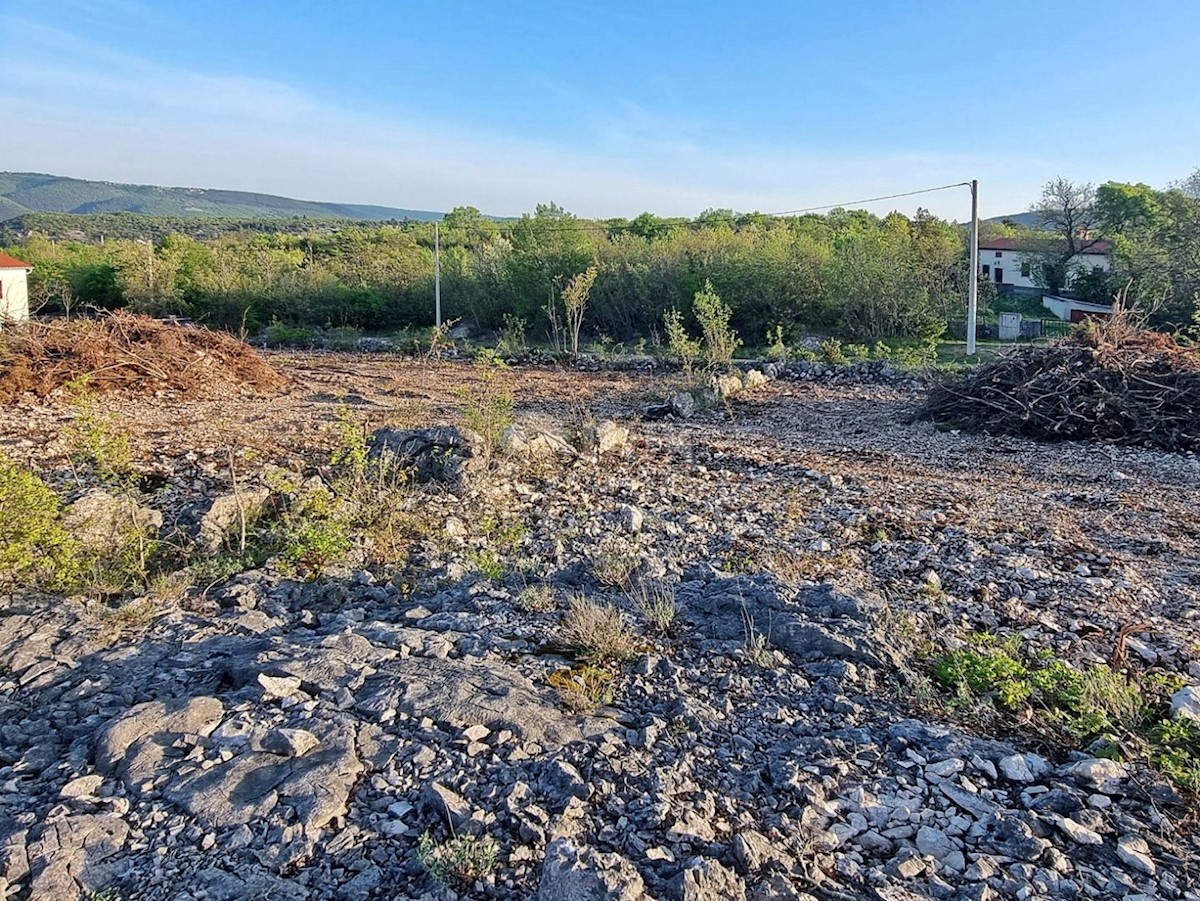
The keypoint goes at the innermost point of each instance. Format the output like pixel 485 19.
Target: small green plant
pixel 487 563
pixel 535 598
pixel 98 442
pixel 460 859
pixel 755 645
pixel 720 340
pixel 683 348
pixel 1083 705
pixel 315 543
pixel 278 334
pixel 35 549
pixel 583 689
pixel 511 341
pixel 488 404
pixel 437 341
pixel 831 352
pixel 656 601
pixel 575 293
pixel 1176 751
pixel 614 563
pixel 598 632
pixel 777 348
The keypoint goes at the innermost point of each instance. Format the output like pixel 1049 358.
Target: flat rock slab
pixel 310 790
pixel 75 857
pixel 816 624
pixel 466 694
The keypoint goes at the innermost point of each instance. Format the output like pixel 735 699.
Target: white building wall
pixel 14 294
pixel 1010 263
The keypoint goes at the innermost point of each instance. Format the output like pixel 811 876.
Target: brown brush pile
pixel 127 352
pixel 1104 382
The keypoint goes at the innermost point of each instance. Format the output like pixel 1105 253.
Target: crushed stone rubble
pixel 287 739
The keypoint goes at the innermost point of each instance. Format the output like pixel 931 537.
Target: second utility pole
pixel 437 275
pixel 973 290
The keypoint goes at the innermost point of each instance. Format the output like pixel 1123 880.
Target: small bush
pixel 684 349
pixel 98 442
pixel 35 550
pixel 511 341
pixel 277 334
pixel 598 632
pixel 656 601
pixel 583 689
pixel 460 859
pixel 487 563
pixel 720 340
pixel 488 405
pixel 535 599
pixel 1084 705
pixel 830 351
pixel 613 563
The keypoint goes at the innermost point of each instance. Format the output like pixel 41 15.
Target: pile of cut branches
pixel 127 352
pixel 1105 382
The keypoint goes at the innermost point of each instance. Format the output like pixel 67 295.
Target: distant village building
pixel 1011 268
pixel 14 288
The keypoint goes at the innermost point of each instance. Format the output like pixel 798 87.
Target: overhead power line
pixel 583 225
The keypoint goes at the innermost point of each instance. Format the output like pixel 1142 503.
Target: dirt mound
pixel 130 353
pixel 1104 383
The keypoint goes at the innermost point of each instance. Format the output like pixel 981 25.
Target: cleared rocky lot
pixel 656 659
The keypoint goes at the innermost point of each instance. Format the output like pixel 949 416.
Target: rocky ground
pixel 389 730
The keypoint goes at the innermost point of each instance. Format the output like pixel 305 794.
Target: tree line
pixel 847 273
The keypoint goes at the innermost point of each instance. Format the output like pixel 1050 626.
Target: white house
pixel 1008 266
pixel 14 288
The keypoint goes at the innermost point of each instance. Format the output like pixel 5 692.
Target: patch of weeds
pixel 598 632
pixel 807 566
pixel 460 859
pixel 583 689
pixel 755 645
pixel 1080 705
pixel 314 543
pixel 535 598
pixel 98 442
pixel 488 563
pixel 614 563
pixel 511 340
pixel 656 601
pixel 128 617
pixel 36 551
pixel 1176 751
pixel 487 405
pixel 208 571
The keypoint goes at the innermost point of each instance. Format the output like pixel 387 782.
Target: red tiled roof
pixel 1016 244
pixel 7 262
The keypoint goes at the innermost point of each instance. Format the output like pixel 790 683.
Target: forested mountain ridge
pixel 22 193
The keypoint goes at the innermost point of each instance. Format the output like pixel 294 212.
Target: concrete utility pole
pixel 437 274
pixel 973 291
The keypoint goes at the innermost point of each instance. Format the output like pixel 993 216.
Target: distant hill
pixel 22 193
pixel 1025 220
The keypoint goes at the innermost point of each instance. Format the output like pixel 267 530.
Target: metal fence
pixel 1055 328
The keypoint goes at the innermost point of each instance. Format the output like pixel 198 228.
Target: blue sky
pixel 605 108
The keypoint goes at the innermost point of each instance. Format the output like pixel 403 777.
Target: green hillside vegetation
pixel 96 227
pixel 848 273
pixel 23 192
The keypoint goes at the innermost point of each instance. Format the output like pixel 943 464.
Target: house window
pixel 1025 270
pixel 987 271
pixel 999 254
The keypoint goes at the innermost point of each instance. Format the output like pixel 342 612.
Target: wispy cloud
pixel 90 111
